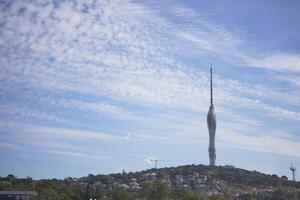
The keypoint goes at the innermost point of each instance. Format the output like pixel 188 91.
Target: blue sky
pixel 102 86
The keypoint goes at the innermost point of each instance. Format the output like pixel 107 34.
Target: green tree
pixel 155 191
pixel 181 194
pixel 120 195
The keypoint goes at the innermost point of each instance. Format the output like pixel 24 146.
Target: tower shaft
pixel 211 124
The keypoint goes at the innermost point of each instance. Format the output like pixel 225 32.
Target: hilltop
pixel 183 182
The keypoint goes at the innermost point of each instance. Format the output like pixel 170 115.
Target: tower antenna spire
pixel 211 87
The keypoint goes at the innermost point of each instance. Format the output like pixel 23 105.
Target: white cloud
pixel 15 111
pixel 87 62
pixel 202 42
pixel 108 110
pixel 128 57
pixel 77 154
pixel 293 79
pixel 70 133
pixel 54 132
pixel 184 12
pixel 279 62
pixel 11 146
pixel 269 110
pixel 262 143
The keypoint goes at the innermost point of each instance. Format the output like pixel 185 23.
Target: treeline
pixel 230 175
pixel 53 190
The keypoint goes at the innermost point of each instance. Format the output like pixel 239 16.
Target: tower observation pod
pixel 211 124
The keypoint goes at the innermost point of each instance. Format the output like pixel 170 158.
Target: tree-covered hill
pixel 173 183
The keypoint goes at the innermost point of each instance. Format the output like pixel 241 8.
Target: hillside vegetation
pixel 191 182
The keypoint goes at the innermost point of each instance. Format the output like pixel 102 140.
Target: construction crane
pixel 157 160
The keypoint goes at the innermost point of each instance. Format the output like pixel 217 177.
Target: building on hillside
pixel 99 184
pixel 134 186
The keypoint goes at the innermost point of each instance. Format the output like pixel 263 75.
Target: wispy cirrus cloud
pixel 10 111
pixel 277 62
pixel 183 12
pixel 131 75
pixel 262 143
pixel 135 57
pixel 109 110
pixel 56 132
pixel 77 154
pixel 11 146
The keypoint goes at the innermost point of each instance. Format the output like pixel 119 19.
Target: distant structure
pixel 293 169
pixel 211 123
pixel 155 162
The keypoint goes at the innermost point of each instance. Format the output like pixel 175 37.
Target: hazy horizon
pixel 95 87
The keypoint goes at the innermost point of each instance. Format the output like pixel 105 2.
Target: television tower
pixel 211 123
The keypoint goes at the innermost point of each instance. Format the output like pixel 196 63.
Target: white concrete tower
pixel 211 123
